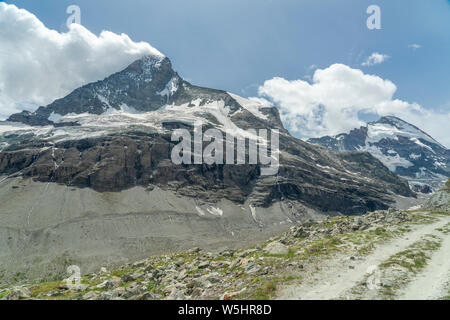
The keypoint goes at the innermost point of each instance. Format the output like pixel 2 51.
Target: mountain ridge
pixel 402 147
pixel 144 84
pixel 82 136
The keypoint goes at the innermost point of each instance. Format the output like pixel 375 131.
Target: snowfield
pixel 112 120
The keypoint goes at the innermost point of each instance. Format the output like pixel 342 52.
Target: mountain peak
pixel 402 147
pixel 394 121
pixel 141 86
pixel 149 64
pixel 391 119
pixel 150 87
pixel 394 126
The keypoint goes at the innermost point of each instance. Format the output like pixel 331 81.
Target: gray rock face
pixel 421 188
pixel 276 248
pixel 404 148
pixel 440 200
pixel 350 183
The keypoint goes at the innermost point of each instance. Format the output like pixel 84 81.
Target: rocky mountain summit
pixel 145 85
pixel 90 176
pixel 402 147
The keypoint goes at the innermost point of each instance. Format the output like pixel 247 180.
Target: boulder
pixel 18 293
pixel 276 248
pixel 252 268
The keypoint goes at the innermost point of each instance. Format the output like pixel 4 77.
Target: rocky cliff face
pixel 90 176
pixel 402 147
pixel 440 201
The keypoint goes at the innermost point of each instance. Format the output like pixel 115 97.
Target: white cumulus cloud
pixel 39 65
pixel 337 96
pixel 375 58
pixel 414 46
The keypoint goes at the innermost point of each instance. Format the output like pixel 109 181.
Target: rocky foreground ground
pixel 375 256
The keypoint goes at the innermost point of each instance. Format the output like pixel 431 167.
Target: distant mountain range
pixel 401 146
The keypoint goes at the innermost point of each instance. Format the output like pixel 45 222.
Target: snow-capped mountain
pixel 139 107
pixel 91 176
pixel 146 85
pixel 401 146
pixel 148 93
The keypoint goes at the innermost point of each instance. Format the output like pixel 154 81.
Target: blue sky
pixel 236 45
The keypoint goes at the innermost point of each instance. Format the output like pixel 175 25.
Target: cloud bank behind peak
pixel 39 65
pixel 337 96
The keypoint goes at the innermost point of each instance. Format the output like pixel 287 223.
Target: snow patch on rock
pixel 390 161
pixel 215 211
pixel 252 105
